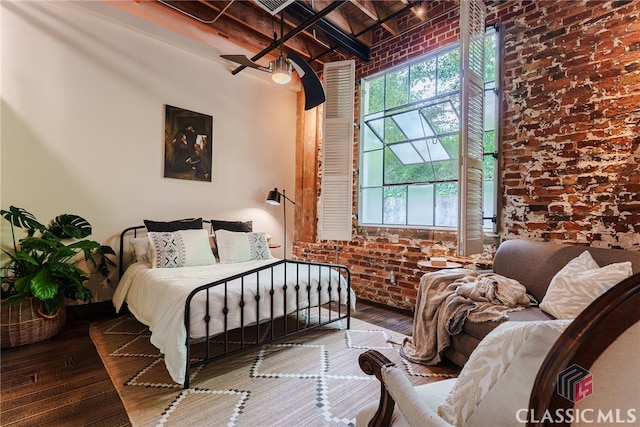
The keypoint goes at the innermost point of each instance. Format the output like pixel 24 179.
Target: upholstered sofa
pixel 511 379
pixel 533 264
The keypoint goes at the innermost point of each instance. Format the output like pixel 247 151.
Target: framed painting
pixel 188 144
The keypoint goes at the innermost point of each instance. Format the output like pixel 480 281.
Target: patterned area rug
pixel 310 379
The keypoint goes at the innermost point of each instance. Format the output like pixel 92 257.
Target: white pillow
pixel 579 283
pixel 235 246
pixel 523 344
pixel 184 248
pixel 140 248
pixel 583 262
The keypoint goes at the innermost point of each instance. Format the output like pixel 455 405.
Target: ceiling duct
pixel 273 6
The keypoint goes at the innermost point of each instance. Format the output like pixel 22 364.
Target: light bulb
pixel 281 71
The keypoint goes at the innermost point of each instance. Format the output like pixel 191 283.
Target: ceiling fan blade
pixel 313 90
pixel 243 60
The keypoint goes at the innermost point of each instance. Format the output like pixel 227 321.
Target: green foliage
pixel 70 226
pixel 423 80
pixel 397 84
pixel 42 265
pixel 375 95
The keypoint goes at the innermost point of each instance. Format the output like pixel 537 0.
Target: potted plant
pixel 43 270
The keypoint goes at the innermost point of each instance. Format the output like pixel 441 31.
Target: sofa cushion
pixel 480 330
pixel 463 344
pixel 529 314
pixel 572 290
pixel 535 263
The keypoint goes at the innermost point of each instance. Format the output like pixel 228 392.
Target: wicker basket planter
pixel 25 323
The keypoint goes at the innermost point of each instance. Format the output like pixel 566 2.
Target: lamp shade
pixel 273 198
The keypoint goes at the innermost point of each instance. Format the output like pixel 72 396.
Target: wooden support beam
pixel 246 25
pixel 372 10
pixel 307 140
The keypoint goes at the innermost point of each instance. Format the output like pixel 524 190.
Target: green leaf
pixel 23 284
pixel 84 294
pixel 25 257
pixel 85 245
pixel 70 226
pixel 107 250
pixel 68 273
pixel 78 292
pixel 52 305
pixel 13 299
pixel 21 218
pixel 44 285
pixel 61 255
pixel 38 244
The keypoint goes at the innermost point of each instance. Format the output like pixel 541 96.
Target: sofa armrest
pixel 393 382
pixel 371 362
pixel 413 408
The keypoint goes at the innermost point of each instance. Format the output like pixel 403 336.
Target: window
pixel 409 142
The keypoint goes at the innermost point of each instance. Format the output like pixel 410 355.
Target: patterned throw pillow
pixel 237 247
pixel 579 283
pixel 489 368
pixel 184 248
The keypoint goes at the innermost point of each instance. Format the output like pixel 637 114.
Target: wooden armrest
pixel 371 362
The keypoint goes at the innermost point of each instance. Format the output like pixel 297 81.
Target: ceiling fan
pixel 280 70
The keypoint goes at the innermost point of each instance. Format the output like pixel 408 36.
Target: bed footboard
pixel 262 305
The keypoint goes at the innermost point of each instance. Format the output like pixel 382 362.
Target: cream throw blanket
pixel 447 298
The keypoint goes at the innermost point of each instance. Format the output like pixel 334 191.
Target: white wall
pixel 83 89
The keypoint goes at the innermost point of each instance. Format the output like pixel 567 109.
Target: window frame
pixel 489 221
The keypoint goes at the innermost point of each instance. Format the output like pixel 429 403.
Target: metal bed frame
pixel 305 313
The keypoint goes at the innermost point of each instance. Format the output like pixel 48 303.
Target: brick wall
pixel 373 259
pixel 571 122
pixel 570 143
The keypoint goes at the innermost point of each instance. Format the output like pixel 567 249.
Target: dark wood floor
pixel 62 382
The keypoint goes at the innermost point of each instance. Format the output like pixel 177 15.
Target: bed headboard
pixel 126 255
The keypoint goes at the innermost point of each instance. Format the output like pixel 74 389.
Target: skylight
pixel 414 135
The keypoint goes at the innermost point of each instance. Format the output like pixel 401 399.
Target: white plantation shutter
pixel 472 32
pixel 336 194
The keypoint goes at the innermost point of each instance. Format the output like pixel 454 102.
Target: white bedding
pixel 156 297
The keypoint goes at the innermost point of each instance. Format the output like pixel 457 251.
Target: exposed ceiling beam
pixel 309 22
pixel 253 19
pixel 344 20
pixel 243 23
pixel 370 8
pixel 394 15
pixel 344 40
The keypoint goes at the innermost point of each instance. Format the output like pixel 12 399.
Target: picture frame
pixel 188 144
